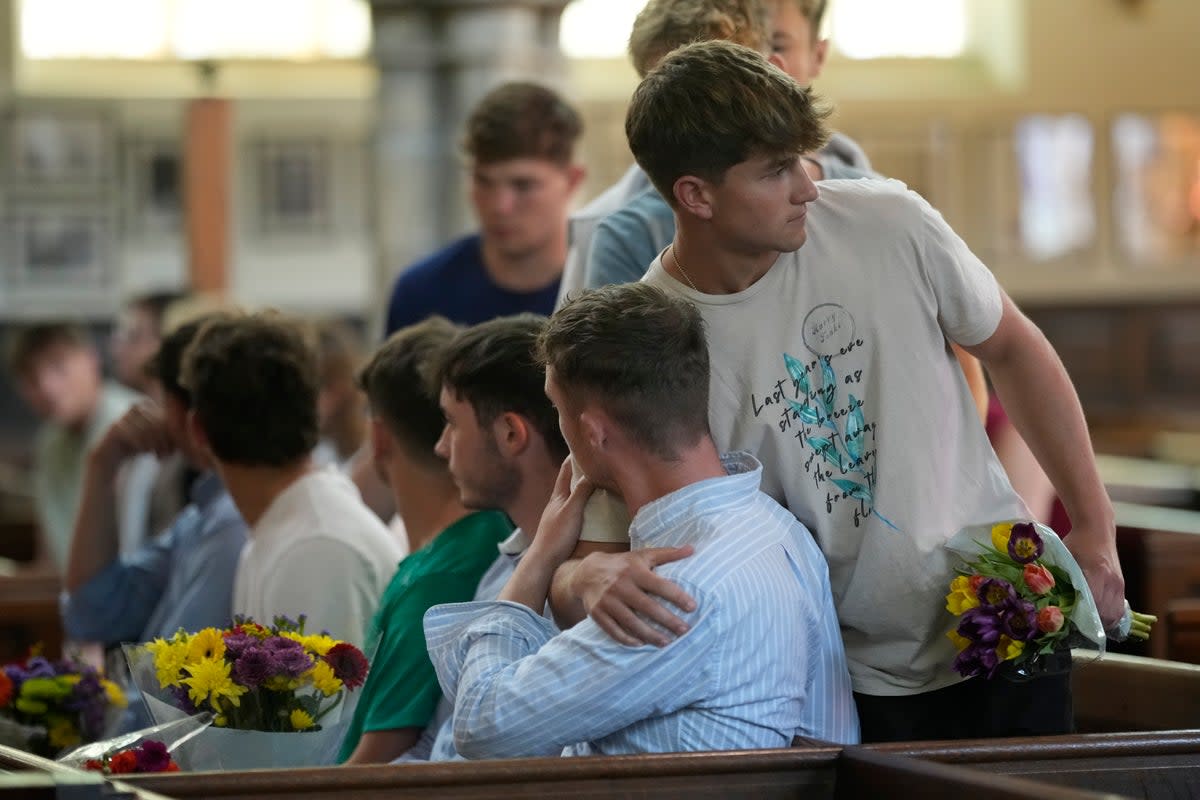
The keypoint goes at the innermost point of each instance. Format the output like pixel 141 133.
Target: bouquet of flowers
pixel 46 706
pixel 1023 603
pixel 257 682
pixel 148 750
pixel 149 756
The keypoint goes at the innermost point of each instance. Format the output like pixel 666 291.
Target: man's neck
pixel 348 430
pixel 537 484
pixel 643 478
pixel 428 504
pixel 698 260
pixel 526 272
pixel 79 427
pixel 254 489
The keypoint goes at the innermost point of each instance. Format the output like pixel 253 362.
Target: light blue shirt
pixel 761 663
pixel 626 241
pixel 180 579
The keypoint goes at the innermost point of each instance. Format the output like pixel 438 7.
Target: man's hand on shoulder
pixel 142 429
pixel 620 592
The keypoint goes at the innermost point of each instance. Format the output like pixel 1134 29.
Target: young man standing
pixel 829 314
pixel 182 578
pixel 314 548
pixel 58 374
pixel 520 141
pixel 627 369
pixel 451 546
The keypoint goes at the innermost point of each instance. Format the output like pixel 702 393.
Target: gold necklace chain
pixel 682 271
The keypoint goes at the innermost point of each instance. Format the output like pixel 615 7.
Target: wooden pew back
pixel 1130 693
pixel 29 615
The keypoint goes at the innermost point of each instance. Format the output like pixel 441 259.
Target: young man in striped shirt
pixel 627 369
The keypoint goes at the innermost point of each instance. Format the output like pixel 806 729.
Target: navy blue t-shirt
pixel 454 283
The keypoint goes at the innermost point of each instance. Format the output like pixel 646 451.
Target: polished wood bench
pixel 29 615
pixel 1131 693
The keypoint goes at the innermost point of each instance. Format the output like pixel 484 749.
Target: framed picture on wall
pixel 57 248
pixel 153 187
pixel 294 186
pixel 59 149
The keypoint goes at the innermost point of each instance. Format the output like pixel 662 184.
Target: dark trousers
pixel 973 709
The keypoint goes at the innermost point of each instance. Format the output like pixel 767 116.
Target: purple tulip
pixel 1018 620
pixel 1025 545
pixel 981 625
pixel 977 659
pixel 996 592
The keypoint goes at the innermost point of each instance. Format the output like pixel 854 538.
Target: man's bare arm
pixel 1037 393
pixel 382 747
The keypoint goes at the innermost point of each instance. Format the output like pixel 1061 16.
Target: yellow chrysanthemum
pixel 208 681
pixel 169 658
pixel 317 643
pixel 1000 536
pixel 301 720
pixel 116 697
pixel 1009 649
pixel 255 630
pixel 324 679
pixel 220 721
pixel 282 683
pixel 960 642
pixel 961 598
pixel 205 645
pixel 62 734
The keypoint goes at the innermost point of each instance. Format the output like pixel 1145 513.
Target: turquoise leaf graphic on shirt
pixel 807 415
pixel 798 373
pixel 853 489
pixel 828 393
pixel 854 430
pixel 826 450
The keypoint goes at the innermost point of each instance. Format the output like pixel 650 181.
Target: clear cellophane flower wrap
pixel 275 703
pixel 1023 605
pixel 174 735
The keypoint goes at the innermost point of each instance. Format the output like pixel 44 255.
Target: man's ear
pixel 197 433
pixel 594 425
pixel 777 60
pixel 820 53
pixel 576 173
pixel 692 196
pixel 511 433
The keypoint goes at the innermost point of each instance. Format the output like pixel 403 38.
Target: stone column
pixel 436 58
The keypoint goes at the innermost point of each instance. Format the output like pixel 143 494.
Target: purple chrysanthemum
pixel 152 756
pixel 1025 545
pixel 182 700
pixel 254 666
pixel 236 643
pixel 290 656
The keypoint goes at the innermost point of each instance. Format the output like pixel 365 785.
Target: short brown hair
pixel 495 367
pixel 711 105
pixel 664 25
pixel 522 120
pixel 27 343
pixel 641 354
pixel 166 365
pixel 399 390
pixel 253 385
pixel 813 11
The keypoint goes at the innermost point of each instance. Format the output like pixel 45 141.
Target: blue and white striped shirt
pixel 762 661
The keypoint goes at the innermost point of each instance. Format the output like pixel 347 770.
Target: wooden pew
pixel 817 773
pixel 1130 693
pixel 1183 630
pixel 29 614
pixel 1131 765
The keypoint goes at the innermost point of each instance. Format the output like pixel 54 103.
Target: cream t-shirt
pixel 834 369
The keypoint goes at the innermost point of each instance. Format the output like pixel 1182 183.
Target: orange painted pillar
pixel 208 144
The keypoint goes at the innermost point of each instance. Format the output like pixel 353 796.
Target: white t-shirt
pixel 882 456
pixel 319 551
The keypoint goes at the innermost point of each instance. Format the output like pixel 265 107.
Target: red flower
pixel 123 763
pixel 94 765
pixel 1038 578
pixel 976 581
pixel 172 767
pixel 1050 619
pixel 6 688
pixel 349 664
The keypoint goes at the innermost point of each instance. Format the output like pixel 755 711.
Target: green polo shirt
pixel 402 688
